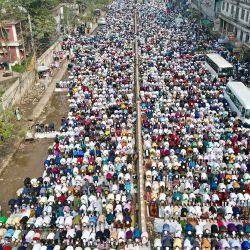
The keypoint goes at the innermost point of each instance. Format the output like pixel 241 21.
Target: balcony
pixel 230 18
pixel 11 43
pixel 245 1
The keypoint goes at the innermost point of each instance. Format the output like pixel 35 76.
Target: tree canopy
pixel 43 23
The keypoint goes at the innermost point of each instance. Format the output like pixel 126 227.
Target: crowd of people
pixel 196 150
pixel 86 197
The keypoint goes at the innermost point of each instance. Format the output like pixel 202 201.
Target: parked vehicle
pixel 218 66
pixel 238 97
pixel 101 21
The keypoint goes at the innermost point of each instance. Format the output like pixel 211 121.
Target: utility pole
pixel 32 43
pixel 31 34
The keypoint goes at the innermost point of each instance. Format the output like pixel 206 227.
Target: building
pixel 235 20
pixel 208 8
pixel 12 47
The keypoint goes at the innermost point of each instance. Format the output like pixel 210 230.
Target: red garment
pixel 236 150
pixel 154 138
pixel 79 160
pixel 56 146
pixel 162 152
pixel 234 140
pixel 6 247
pixel 92 160
pixel 153 210
pixel 177 114
pixel 62 199
pixel 220 223
pixel 118 132
pixel 160 138
pixel 223 196
pixel 167 152
pixel 108 176
pixel 55 170
pixel 247 188
pixel 174 137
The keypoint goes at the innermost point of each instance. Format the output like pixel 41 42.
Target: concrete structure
pixel 12 47
pixel 235 20
pixel 24 82
pixel 208 8
pixel 47 57
pixel 140 161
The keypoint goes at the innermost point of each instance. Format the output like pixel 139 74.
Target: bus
pixel 218 66
pixel 238 97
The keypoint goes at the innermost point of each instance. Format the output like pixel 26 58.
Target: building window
pixel 242 14
pixel 241 35
pixel 227 7
pixel 235 31
pixel 247 38
pixel 230 27
pixel 247 18
pixel 225 25
pixel 232 10
pixel 223 6
pixel 221 24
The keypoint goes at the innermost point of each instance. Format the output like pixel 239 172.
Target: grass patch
pixel 22 132
pixel 21 68
pixel 1 92
pixel 6 124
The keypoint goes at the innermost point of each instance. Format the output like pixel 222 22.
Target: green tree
pixel 35 7
pixel 43 23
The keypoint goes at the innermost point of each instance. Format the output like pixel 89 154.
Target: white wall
pixel 47 57
pixel 242 24
pixel 207 7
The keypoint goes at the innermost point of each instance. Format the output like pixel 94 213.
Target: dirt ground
pixel 28 160
pixel 26 106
